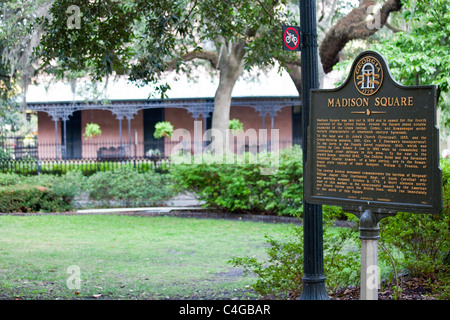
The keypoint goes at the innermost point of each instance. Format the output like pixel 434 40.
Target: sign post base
pixel 369 270
pixel 369 235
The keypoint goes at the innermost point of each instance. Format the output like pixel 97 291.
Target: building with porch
pixel 127 117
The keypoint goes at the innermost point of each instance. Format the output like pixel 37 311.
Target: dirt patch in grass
pixel 411 289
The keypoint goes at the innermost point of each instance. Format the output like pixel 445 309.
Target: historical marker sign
pixel 373 143
pixel 291 38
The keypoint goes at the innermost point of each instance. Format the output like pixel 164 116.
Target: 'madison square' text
pixel 365 102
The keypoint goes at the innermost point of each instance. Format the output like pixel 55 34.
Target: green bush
pixel 423 240
pixel 420 243
pixel 8 179
pixel 247 185
pixel 129 187
pixel 46 193
pixel 124 185
pixel 68 186
pixel 30 198
pixel 280 277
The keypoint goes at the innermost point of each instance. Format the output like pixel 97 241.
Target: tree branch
pixel 355 25
pixel 5 76
pixel 204 55
pixel 392 28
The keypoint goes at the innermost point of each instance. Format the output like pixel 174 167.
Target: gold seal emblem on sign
pixel 368 75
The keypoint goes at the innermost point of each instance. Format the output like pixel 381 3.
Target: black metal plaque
pixel 373 143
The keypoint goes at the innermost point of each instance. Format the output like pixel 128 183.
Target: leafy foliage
pixel 243 186
pixel 43 193
pixel 101 43
pixel 422 239
pixel 129 187
pixel 29 199
pixel 421 54
pixel 92 130
pixel 236 126
pixel 280 276
pixel 419 243
pixel 163 129
pixel 56 193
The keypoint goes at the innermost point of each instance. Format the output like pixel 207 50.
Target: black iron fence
pixel 18 147
pixel 28 156
pixel 86 166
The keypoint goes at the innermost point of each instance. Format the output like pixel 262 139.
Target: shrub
pixel 30 198
pixel 98 186
pixel 46 193
pixel 421 243
pixel 124 185
pixel 245 186
pixel 280 277
pixel 68 186
pixel 423 240
pixel 129 187
pixel 341 258
pixel 7 179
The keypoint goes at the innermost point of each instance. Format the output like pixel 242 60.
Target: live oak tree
pixel 6 92
pixel 18 38
pixel 146 39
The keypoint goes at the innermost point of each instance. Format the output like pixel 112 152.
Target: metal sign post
pixel 314 278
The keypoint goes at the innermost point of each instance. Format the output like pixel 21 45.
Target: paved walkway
pixel 143 209
pixel 178 203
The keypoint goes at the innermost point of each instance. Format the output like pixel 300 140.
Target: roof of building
pixel 271 83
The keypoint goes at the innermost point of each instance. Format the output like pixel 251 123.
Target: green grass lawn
pixel 128 257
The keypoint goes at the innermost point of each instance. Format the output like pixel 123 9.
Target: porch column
pixel 129 137
pixel 120 131
pixel 129 131
pixel 63 149
pixel 56 137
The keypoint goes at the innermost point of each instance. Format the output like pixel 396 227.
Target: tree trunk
pixel 230 65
